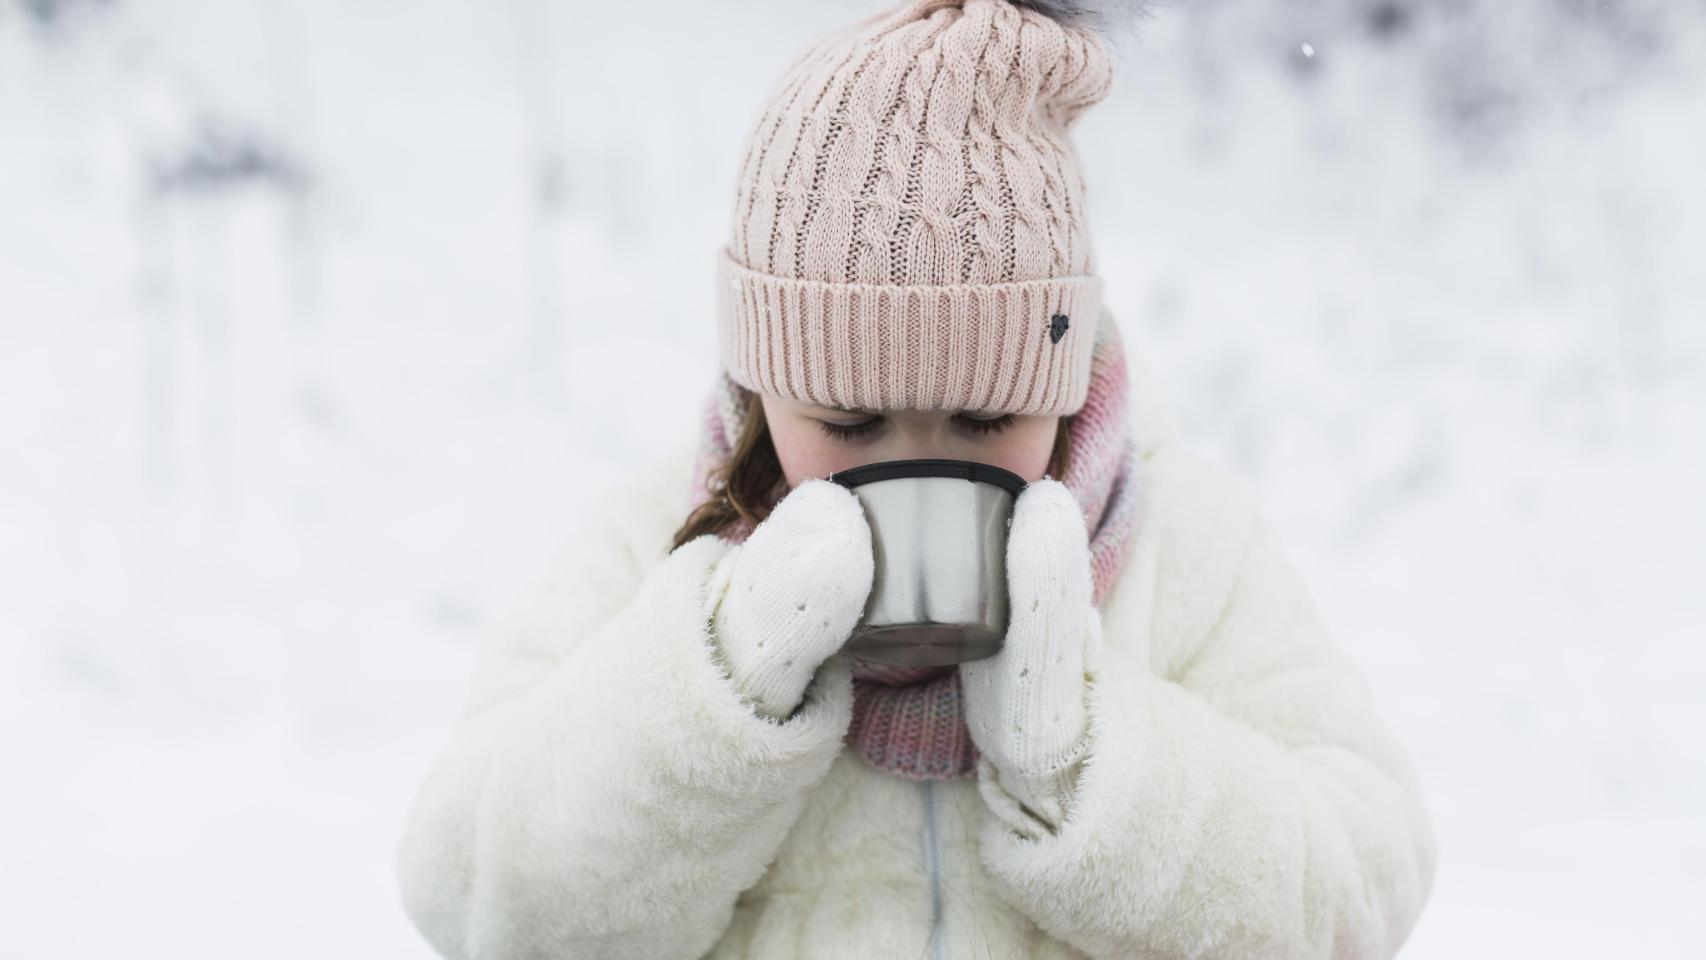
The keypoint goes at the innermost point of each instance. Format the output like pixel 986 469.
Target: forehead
pixel 823 408
pixel 814 409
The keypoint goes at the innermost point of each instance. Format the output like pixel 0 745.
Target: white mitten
pixel 1025 706
pixel 788 597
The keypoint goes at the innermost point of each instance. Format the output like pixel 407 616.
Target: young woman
pixel 665 753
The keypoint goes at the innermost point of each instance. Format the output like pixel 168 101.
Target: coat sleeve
pixel 1241 797
pixel 606 792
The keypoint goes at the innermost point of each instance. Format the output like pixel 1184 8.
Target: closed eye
pixel 975 425
pixel 990 425
pixel 849 431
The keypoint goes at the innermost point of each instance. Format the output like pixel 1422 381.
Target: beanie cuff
pixel 993 348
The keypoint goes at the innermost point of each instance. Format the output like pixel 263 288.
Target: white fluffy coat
pixel 607 794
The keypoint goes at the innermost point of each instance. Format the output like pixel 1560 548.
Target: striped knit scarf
pixel 910 720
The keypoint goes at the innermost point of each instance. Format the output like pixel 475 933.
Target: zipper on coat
pixel 933 864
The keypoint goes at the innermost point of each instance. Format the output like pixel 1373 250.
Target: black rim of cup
pixel 929 467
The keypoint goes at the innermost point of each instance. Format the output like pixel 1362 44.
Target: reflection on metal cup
pixel 939 539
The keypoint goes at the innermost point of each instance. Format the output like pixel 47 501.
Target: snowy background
pixel 317 317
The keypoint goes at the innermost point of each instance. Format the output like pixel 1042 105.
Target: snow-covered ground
pixel 317 318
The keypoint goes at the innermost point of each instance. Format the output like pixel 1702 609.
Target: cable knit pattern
pixel 909 218
pixel 910 720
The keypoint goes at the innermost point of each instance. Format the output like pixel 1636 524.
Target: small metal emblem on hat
pixel 1057 327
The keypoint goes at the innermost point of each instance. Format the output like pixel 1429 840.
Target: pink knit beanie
pixel 909 220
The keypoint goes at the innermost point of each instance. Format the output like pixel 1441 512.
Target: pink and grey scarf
pixel 909 720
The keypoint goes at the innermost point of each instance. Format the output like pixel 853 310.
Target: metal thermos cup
pixel 939 540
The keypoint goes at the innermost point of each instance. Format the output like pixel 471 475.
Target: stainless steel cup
pixel 939 539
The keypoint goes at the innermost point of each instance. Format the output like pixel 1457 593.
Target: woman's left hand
pixel 1025 706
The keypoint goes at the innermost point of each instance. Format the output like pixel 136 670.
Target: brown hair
pixel 743 486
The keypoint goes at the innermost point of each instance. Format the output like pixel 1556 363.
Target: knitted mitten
pixel 1025 706
pixel 789 596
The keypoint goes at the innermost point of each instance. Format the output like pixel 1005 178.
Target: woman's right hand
pixel 789 596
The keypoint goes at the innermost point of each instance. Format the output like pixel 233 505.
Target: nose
pixel 921 434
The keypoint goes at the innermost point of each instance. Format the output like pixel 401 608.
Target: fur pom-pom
pixel 1099 15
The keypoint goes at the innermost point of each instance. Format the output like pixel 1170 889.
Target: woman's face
pixel 814 441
